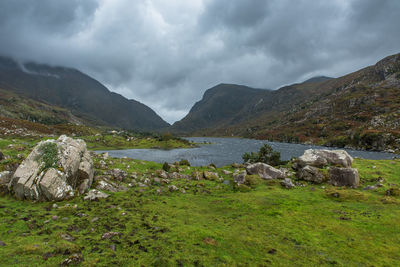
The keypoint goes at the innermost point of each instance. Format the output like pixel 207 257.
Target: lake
pixel 224 151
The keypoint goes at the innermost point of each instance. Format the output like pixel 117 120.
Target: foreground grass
pixel 212 224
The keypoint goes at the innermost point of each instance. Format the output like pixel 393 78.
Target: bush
pixel 184 162
pixel 48 155
pixel 266 155
pixel 166 167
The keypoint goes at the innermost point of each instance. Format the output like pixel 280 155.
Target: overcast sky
pixel 166 53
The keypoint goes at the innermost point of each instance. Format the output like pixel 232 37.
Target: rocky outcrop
pixel 311 174
pixel 265 171
pixel 321 157
pixel 54 170
pixel 344 177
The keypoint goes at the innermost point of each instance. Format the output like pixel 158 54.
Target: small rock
pixel 54 218
pixel 95 195
pixel 113 247
pixel 67 237
pixel 287 183
pixel 227 172
pixel 240 178
pixel 2 244
pixel 109 235
pixel 172 188
pixel 55 206
pixel 73 259
pixel 370 187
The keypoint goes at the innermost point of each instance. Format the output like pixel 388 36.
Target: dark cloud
pixel 167 53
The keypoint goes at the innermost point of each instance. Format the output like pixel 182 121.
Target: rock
pixel 344 176
pixel 71 170
pixel 119 174
pixel 322 157
pixel 67 237
pixel 213 176
pixel 157 180
pixel 74 259
pixel 95 195
pixel 311 174
pixel 287 183
pixel 227 172
pixel 370 187
pixel 197 176
pixel 110 235
pixel 108 185
pixel 265 171
pixel 2 244
pixel 5 178
pixel 162 174
pixel 240 178
pixel 105 156
pixel 172 188
pixel 237 165
pixel 174 175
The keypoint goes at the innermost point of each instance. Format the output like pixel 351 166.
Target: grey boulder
pixel 94 194
pixel 311 174
pixel 5 178
pixel 322 157
pixel 265 171
pixel 344 177
pixel 73 171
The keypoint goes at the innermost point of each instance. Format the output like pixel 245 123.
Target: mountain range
pixel 359 110
pixel 83 97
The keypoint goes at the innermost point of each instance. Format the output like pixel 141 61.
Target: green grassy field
pixel 212 224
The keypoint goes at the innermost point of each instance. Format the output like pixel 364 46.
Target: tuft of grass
pixel 48 155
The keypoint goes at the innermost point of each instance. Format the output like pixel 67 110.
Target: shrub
pixel 48 155
pixel 253 180
pixel 266 155
pixel 166 167
pixel 184 162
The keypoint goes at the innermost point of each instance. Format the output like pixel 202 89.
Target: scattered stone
pixel 73 171
pixel 172 188
pixel 162 174
pixel 183 191
pixel 119 174
pixel 287 183
pixel 110 235
pixel 67 237
pixel 2 244
pixel 265 171
pixel 311 174
pixel 210 175
pixel 322 157
pixel 393 192
pixel 73 259
pixel 54 218
pixel 105 156
pixel 344 177
pixel 227 172
pixel 370 187
pixel 227 182
pixel 95 195
pixel 113 247
pixel 237 165
pixel 240 178
pixel 197 176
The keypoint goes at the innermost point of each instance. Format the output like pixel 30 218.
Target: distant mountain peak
pixel 316 79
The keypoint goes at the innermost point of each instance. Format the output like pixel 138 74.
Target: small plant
pixel 213 165
pixel 266 155
pixel 166 167
pixel 48 155
pixel 184 162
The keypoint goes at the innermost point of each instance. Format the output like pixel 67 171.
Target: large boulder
pixel 344 177
pixel 311 174
pixel 265 171
pixel 322 157
pixel 54 170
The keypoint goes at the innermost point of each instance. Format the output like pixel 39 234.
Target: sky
pixel 166 54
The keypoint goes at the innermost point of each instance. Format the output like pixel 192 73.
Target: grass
pixel 212 224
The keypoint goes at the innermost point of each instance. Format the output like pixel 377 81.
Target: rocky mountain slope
pixel 75 91
pixel 359 110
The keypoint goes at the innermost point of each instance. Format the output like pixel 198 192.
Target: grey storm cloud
pixel 167 53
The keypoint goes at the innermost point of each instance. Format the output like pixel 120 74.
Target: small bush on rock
pixel 184 162
pixel 48 155
pixel 166 167
pixel 266 155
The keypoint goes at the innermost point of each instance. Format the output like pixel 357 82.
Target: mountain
pixel 359 110
pixel 317 79
pixel 75 91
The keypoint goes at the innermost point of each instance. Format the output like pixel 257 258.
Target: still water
pixel 224 151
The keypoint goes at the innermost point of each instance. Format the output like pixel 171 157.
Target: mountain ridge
pixel 78 92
